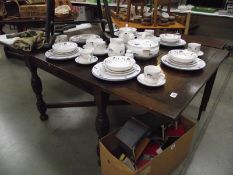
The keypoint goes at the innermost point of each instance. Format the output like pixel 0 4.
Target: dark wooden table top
pixel 157 99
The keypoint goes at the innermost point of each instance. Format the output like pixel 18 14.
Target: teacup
pixel 61 38
pixel 194 47
pixel 99 45
pixel 152 74
pixel 86 55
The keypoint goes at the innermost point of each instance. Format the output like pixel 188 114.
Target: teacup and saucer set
pixel 86 57
pixel 196 48
pixel 153 76
pixel 98 45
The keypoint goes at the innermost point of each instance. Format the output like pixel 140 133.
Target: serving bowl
pixel 170 38
pixel 119 63
pixel 64 47
pixel 182 56
pixel 143 48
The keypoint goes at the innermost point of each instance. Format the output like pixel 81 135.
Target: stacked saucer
pixel 116 68
pixel 183 60
pixel 171 40
pixel 63 51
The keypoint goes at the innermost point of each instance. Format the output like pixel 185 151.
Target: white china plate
pixel 53 56
pixel 99 72
pixel 200 53
pixel 141 79
pixel 79 61
pixel 182 56
pixel 178 44
pixel 81 39
pixel 64 47
pixel 119 63
pixel 200 64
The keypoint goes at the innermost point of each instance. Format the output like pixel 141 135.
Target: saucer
pixel 141 79
pixel 177 44
pixel 200 53
pixel 79 61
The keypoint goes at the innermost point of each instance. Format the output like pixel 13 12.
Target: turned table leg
pixel 102 120
pixel 37 88
pixel 206 95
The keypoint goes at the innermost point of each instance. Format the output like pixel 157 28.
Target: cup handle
pixel 162 75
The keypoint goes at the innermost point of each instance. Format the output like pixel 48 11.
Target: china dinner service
pixel 116 68
pixel 183 60
pixel 120 65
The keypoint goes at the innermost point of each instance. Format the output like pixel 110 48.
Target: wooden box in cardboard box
pixel 162 164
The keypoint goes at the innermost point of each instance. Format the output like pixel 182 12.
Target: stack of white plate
pixel 183 60
pixel 116 68
pixel 63 51
pixel 171 40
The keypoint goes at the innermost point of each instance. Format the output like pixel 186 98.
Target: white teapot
pixel 116 47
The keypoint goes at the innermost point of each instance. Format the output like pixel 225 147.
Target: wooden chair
pixel 136 3
pixel 161 4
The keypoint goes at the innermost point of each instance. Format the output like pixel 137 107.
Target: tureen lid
pixel 143 43
pixel 127 29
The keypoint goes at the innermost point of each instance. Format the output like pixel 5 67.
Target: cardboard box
pixel 162 164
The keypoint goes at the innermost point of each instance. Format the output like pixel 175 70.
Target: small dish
pixel 93 60
pixel 64 47
pixel 141 79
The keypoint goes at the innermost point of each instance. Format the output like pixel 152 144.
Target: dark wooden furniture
pixel 155 100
